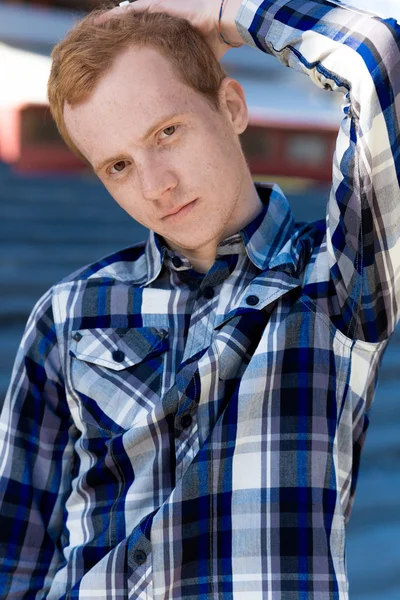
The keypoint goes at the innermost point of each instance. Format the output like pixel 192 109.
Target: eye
pixel 118 167
pixel 169 131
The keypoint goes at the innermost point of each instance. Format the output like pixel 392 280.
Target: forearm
pixel 228 25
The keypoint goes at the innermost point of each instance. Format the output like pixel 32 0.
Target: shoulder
pixel 125 265
pixel 96 291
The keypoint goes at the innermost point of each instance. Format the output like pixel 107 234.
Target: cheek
pixel 128 199
pixel 220 157
pixel 207 165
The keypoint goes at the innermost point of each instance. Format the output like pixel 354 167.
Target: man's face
pixel 166 157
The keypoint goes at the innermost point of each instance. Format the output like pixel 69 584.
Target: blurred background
pixel 55 216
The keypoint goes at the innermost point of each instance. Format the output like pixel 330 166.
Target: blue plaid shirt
pixel 168 434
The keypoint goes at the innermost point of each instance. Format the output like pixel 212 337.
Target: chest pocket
pixel 117 374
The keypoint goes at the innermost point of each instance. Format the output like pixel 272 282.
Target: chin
pixel 191 241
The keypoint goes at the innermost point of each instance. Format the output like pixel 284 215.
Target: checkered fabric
pixel 168 434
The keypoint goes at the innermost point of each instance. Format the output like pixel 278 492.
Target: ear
pixel 233 104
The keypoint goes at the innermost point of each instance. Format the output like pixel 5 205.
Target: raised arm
pixel 357 54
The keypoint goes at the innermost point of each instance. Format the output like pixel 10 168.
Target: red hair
pixel 88 52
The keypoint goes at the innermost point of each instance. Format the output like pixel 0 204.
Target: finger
pixel 119 11
pixel 110 14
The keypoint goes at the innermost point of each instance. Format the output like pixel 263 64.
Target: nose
pixel 156 177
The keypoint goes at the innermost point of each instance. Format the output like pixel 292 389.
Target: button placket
pixel 140 557
pixel 183 423
pixel 177 261
pixel 186 421
pixel 208 292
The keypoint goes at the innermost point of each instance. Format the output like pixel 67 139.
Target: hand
pixel 202 14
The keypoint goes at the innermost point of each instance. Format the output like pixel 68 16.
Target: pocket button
pixel 252 300
pixel 118 356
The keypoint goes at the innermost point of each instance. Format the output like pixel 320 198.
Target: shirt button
pixel 252 300
pixel 186 421
pixel 208 292
pixel 118 356
pixel 77 337
pixel 176 261
pixel 140 557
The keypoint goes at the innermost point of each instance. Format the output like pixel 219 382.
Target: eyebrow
pixel 146 135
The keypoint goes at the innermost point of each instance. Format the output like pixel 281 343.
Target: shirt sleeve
pixel 356 53
pixel 36 462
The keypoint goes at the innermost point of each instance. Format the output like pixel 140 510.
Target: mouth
pixel 180 210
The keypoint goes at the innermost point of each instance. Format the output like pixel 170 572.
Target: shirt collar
pixel 266 239
pixel 155 251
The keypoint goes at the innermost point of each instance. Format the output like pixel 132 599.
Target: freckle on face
pixel 204 163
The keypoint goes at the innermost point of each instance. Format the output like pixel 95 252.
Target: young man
pixel 186 416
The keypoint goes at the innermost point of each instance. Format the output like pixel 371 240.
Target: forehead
pixel 141 87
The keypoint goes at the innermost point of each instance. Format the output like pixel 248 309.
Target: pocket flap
pixel 118 349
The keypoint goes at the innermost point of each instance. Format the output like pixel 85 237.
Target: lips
pixel 176 210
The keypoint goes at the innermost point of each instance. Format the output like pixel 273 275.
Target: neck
pixel 249 206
